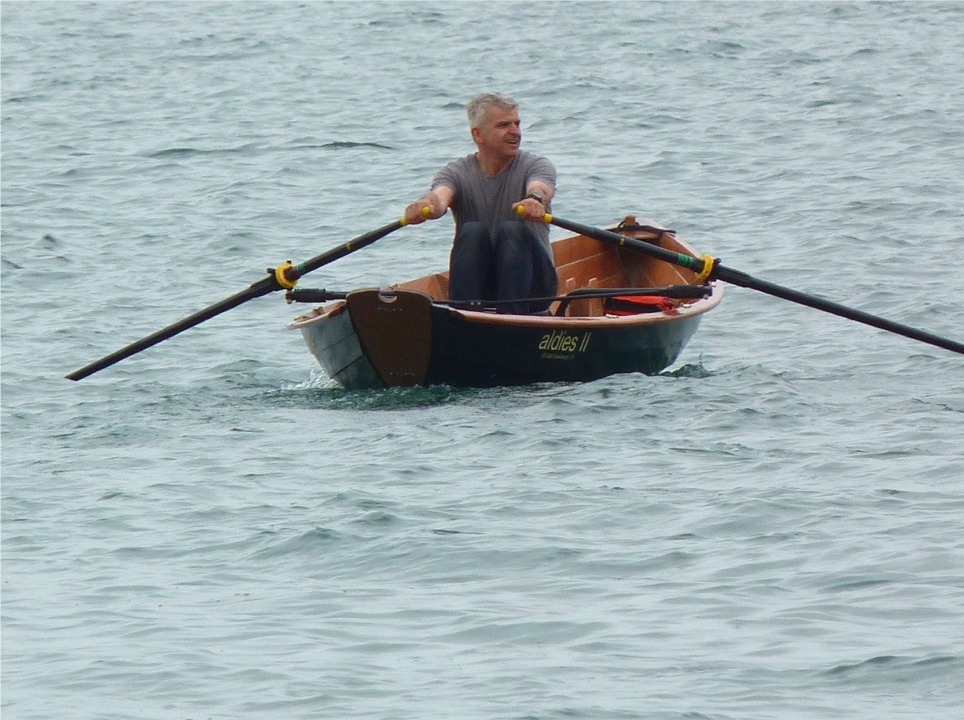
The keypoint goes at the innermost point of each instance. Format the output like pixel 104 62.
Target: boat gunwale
pixel 644 318
pixel 483 317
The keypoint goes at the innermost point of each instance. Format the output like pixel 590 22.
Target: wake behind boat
pixel 619 311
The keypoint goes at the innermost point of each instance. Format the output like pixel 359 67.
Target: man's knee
pixel 473 235
pixel 513 234
pixel 472 249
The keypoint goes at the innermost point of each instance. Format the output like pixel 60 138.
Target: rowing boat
pixel 619 311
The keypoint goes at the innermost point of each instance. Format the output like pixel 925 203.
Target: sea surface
pixel 773 528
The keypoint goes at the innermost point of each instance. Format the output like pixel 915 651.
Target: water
pixel 210 529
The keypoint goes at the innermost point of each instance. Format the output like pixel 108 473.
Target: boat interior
pixel 584 263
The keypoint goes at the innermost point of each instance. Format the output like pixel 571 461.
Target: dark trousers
pixel 503 263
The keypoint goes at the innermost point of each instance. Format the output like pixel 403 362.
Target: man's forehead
pixel 497 114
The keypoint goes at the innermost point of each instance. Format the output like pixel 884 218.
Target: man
pixel 498 253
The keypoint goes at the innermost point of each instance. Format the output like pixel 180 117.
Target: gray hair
pixel 478 106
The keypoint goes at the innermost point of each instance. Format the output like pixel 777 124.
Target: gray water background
pixel 772 529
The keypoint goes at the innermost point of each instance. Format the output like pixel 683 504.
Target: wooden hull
pixel 403 337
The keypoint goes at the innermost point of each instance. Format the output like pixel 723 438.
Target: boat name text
pixel 560 341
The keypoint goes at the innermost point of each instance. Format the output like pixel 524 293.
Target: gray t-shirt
pixel 479 198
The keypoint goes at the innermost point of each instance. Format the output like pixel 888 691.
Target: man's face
pixel 500 132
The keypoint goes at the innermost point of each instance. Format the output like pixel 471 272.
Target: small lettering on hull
pixel 562 345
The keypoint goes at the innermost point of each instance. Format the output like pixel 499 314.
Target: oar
pixel 282 277
pixel 684 292
pixel 708 268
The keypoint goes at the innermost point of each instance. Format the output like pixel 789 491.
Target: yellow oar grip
pixel 426 211
pixel 521 211
pixel 279 275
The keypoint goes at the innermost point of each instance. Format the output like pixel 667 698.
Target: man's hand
pixel 534 206
pixel 531 210
pixel 429 207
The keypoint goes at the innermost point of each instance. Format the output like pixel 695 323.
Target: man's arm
pixel 431 206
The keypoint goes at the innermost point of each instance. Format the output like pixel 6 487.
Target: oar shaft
pixel 735 277
pixel 349 247
pixel 686 261
pixel 262 287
